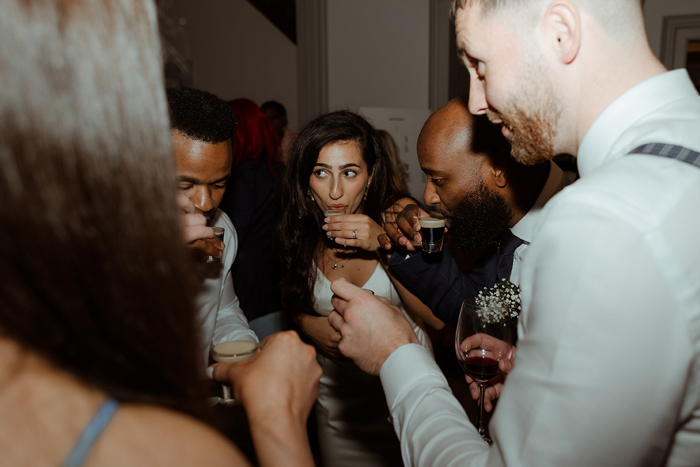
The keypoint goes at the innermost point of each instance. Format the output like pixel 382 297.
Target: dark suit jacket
pixel 251 203
pixel 438 281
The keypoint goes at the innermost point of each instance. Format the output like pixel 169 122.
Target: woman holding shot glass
pixel 337 184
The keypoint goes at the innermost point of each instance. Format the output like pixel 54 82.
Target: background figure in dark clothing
pixel 251 204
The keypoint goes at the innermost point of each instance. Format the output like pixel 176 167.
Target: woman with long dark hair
pixel 339 162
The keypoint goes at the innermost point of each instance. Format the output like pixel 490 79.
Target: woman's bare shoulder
pixel 148 435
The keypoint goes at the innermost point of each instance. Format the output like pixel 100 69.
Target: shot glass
pixel 219 232
pixel 333 212
pixel 432 231
pixel 231 352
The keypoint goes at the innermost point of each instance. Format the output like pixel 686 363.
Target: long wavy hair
pixel 255 137
pixel 95 277
pixel 299 231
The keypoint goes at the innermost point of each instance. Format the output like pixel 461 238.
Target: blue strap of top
pixel 671 151
pixel 91 433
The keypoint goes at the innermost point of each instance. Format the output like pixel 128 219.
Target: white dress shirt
pixel 608 369
pixel 219 316
pixel 525 229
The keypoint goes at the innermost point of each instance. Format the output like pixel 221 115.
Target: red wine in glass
pixel 480 368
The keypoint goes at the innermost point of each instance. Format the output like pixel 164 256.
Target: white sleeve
pixel 604 361
pixel 231 323
pixel 433 428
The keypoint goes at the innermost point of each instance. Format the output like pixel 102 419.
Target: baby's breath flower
pixel 504 294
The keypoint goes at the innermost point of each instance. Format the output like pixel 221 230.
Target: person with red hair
pixel 251 203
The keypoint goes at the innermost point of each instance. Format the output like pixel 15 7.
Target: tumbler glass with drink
pixel 231 352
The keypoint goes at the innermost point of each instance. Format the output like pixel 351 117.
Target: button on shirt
pixel 608 368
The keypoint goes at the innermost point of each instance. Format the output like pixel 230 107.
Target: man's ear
pixel 563 30
pixel 499 170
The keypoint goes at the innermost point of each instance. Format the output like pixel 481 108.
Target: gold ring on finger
pixel 354 234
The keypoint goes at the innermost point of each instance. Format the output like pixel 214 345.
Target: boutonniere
pixel 504 294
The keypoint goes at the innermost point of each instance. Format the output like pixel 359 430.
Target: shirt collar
pixel 526 226
pixel 606 137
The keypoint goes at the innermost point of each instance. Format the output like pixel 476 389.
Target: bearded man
pixel 490 203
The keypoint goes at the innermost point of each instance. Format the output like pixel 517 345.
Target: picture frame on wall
pixel 680 44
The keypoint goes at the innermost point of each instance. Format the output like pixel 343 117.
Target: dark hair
pixel 200 115
pixel 299 231
pixel 95 277
pixel 274 105
pixel 255 137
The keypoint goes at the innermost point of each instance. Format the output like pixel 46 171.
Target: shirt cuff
pixel 404 367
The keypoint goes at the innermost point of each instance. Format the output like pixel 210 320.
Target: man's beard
pixel 531 134
pixel 478 219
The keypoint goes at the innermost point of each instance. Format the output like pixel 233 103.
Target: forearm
pixel 280 440
pixel 440 285
pixel 431 424
pixel 411 302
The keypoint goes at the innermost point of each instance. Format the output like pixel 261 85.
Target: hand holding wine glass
pixel 483 338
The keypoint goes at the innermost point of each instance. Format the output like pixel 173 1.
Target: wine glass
pixel 483 338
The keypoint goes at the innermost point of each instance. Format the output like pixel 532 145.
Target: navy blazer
pixel 437 280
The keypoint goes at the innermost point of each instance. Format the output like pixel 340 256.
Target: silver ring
pixel 354 234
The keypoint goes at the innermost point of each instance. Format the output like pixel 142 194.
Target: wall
pixel 236 52
pixel 655 10
pixel 378 54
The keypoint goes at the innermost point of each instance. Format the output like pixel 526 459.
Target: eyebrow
pixel 196 181
pixel 327 166
pixel 433 172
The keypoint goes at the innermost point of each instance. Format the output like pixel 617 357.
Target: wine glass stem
pixel 480 416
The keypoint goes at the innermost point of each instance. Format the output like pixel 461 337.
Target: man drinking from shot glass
pixel 202 127
pixel 490 204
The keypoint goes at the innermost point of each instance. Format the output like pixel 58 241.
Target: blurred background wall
pixel 343 53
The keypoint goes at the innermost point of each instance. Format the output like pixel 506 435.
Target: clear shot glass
pixel 432 232
pixel 219 232
pixel 331 213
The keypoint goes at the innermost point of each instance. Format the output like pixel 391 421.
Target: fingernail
pixel 328 234
pixel 209 372
pixel 327 219
pixel 416 238
pixel 402 241
pixel 324 227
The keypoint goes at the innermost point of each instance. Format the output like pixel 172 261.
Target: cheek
pixel 316 187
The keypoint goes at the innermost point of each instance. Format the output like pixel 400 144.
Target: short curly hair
pixel 200 115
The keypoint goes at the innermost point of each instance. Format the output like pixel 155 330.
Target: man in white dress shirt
pixel 202 126
pixel 608 366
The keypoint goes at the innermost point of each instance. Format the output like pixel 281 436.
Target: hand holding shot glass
pixel 331 213
pixel 231 352
pixel 219 232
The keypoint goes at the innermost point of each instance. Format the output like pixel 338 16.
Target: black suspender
pixel 669 150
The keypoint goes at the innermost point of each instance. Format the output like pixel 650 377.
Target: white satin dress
pixel 351 410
